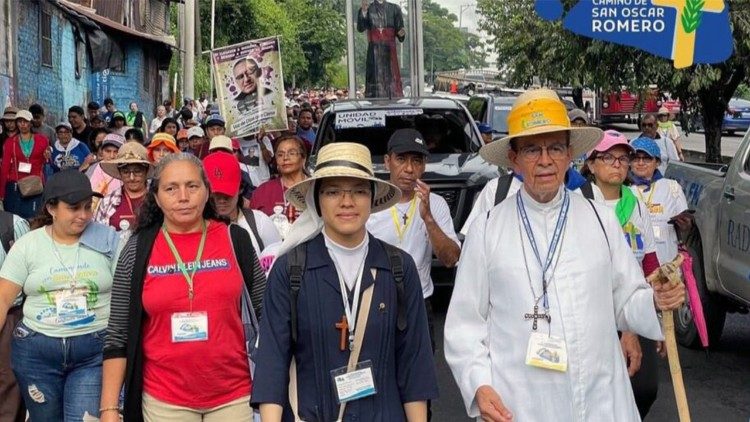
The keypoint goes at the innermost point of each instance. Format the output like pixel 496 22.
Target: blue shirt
pixel 308 135
pixel 403 365
pixel 68 158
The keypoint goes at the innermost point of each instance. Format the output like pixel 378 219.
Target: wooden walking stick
pixel 669 273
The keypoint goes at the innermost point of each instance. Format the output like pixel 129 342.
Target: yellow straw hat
pixel 346 159
pixel 536 112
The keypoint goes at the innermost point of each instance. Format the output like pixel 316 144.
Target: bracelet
pixel 107 409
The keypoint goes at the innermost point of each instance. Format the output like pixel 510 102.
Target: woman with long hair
pixel 175 338
pixel 169 125
pixel 64 266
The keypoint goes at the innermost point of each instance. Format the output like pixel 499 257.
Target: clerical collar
pixel 341 249
pixel 532 203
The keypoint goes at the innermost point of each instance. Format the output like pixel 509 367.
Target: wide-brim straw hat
pixel 129 153
pixel 536 112
pixel 346 159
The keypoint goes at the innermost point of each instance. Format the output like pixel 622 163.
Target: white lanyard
pixel 73 273
pixel 351 311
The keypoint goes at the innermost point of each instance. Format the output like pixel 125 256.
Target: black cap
pixel 70 186
pixel 407 140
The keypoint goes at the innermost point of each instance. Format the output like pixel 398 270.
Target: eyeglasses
pixel 337 193
pixel 610 159
pixel 534 152
pixel 132 171
pixel 643 158
pixel 290 154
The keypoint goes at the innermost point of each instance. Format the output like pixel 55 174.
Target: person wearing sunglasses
pixel 650 129
pixel 609 163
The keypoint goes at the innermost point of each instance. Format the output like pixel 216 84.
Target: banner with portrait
pixel 250 86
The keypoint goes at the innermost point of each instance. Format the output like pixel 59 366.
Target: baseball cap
pixel 215 120
pixel 236 144
pixel 578 114
pixel 663 111
pixel 70 186
pixel 484 128
pixel 10 113
pixel 182 134
pixel 646 145
pixel 220 142
pixel 113 139
pixel 407 140
pixel 612 138
pixel 24 114
pixel 195 131
pixel 65 125
pixel 223 172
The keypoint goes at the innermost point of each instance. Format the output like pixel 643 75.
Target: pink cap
pixel 612 138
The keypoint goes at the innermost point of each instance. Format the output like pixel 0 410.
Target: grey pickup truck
pixel 720 240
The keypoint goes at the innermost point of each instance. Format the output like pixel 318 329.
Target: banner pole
pixel 350 64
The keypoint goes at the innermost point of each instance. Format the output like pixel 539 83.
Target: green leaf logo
pixel 691 15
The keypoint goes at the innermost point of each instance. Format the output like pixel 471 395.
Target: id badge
pixel 356 384
pixel 70 307
pixel 24 167
pixel 189 326
pixel 547 352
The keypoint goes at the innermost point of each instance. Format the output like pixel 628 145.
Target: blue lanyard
pixel 562 219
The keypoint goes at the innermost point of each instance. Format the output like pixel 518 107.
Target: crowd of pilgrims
pixel 132 244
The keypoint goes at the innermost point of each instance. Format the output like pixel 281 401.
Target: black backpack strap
pixel 7 234
pixel 250 217
pixel 600 222
pixel 397 270
pixel 588 191
pixel 503 186
pixel 296 269
pixel 246 258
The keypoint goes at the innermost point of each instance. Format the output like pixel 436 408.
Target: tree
pixel 530 47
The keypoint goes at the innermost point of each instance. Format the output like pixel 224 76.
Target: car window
pixel 738 103
pixel 500 117
pixel 477 108
pixel 444 131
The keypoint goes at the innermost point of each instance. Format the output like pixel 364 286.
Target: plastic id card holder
pixel 24 167
pixel 70 307
pixel 356 384
pixel 547 352
pixel 189 326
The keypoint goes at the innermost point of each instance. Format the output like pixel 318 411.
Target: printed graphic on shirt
pixel 634 237
pixel 207 265
pixel 67 305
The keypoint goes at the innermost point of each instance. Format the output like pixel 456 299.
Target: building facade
pixel 61 53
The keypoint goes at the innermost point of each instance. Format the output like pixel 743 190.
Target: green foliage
pixel 530 47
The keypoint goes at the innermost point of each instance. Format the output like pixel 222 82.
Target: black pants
pixel 431 328
pixel 645 382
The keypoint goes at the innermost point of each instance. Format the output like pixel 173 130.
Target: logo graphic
pixel 686 31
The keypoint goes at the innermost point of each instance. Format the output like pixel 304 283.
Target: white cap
pixel 195 131
pixel 220 142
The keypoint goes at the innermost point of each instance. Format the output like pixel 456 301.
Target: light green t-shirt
pixel 34 265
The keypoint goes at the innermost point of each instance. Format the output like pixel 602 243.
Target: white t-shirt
pixel 486 199
pixel 266 230
pixel 250 148
pixel 664 200
pixel 638 231
pixel 415 240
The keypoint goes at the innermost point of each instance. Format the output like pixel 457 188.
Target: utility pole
pixel 189 63
pixel 461 10
pixel 351 71
pixel 211 54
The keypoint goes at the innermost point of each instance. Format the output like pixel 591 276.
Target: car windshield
pixel 444 131
pixel 739 103
pixel 500 118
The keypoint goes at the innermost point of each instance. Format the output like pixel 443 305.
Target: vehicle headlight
pixel 605 104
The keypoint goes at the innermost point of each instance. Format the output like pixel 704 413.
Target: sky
pixel 470 18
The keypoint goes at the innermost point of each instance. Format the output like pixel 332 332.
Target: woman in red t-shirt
pixel 291 156
pixel 175 332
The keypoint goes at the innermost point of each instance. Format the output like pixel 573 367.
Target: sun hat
pixel 10 113
pixel 663 111
pixel 70 186
pixel 195 131
pixel 346 159
pixel 536 112
pixel 113 139
pixel 223 173
pixel 647 145
pixel 65 125
pixel 25 115
pixel 182 134
pixel 407 140
pixel 159 139
pixel 612 138
pixel 220 142
pixel 129 153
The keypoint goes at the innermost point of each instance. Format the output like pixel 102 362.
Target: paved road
pixel 718 386
pixel 693 142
